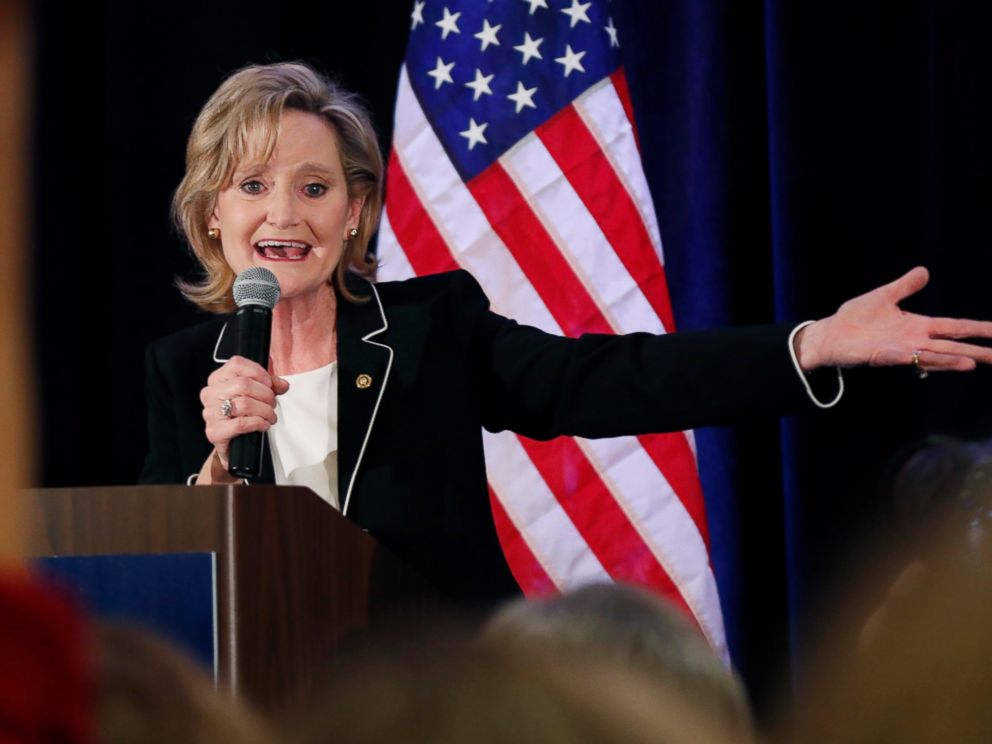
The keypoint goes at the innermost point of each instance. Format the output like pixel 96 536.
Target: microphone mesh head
pixel 256 286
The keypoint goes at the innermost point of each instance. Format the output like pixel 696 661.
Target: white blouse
pixel 304 441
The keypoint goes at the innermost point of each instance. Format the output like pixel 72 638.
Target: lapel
pixel 364 364
pixel 224 349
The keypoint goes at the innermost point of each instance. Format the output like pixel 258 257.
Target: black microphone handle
pixel 254 334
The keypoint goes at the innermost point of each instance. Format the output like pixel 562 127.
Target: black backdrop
pixel 797 155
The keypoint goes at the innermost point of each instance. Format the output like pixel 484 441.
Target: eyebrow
pixel 311 166
pixel 246 168
pixel 314 167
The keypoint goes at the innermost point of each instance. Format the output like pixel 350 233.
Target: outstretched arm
pixel 872 329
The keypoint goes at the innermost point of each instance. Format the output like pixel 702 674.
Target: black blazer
pixel 443 366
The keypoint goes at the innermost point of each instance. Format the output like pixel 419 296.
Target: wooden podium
pixel 292 575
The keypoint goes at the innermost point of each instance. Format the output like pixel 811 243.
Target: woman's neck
pixel 304 335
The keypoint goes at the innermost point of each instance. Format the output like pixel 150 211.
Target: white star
pixel 529 48
pixel 441 73
pixel 571 61
pixel 535 4
pixel 474 134
pixel 418 13
pixel 523 97
pixel 612 31
pixel 577 12
pixel 448 24
pixel 480 85
pixel 488 34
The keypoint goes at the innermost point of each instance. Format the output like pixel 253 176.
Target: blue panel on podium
pixel 173 594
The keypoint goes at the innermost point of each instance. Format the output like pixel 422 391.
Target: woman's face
pixel 291 214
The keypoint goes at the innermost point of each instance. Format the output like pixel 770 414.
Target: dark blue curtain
pixel 798 154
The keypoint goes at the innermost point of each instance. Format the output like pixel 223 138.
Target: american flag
pixel 515 156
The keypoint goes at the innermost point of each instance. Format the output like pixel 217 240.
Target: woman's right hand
pixel 252 392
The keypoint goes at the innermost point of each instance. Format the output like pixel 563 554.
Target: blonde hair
pixel 250 102
pixel 499 696
pixel 629 627
pixel 151 691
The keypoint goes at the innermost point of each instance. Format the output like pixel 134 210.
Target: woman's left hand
pixel 872 329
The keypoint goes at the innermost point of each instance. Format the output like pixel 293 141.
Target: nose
pixel 282 208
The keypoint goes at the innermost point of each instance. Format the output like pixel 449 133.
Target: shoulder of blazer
pixel 189 342
pixel 431 286
pixel 456 294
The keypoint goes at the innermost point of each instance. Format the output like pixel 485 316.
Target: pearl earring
pixel 213 233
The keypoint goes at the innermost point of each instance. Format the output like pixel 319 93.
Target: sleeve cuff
pixel 803 377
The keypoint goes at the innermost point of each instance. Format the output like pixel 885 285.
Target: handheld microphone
pixel 256 291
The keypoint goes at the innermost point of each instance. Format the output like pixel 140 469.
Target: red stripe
pixel 619 80
pixel 598 517
pixel 536 253
pixel 526 569
pixel 425 249
pixel 671 454
pixel 591 174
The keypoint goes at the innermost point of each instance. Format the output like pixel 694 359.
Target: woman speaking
pixel 376 394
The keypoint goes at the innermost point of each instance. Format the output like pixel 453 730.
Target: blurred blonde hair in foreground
pixel 498 696
pixel 44 674
pixel 920 671
pixel 150 692
pixel 633 629
pixel 16 434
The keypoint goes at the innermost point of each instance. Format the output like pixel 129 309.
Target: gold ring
pixel 920 371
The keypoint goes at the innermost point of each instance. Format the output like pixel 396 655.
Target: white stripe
pixel 220 336
pixel 602 110
pixel 662 521
pixel 393 263
pixel 579 238
pixel 532 507
pixel 382 389
pixel 459 218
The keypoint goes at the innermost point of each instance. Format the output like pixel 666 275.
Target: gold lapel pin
pixel 363 382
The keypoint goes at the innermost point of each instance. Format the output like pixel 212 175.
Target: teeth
pixel 281 244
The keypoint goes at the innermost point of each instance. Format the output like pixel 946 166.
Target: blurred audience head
pixel 632 629
pixel 489 695
pixel 920 670
pixel 942 487
pixel 46 676
pixel 942 479
pixel 150 692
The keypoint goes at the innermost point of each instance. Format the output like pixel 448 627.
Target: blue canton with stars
pixel 488 72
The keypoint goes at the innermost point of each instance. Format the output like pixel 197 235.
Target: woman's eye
pixel 252 187
pixel 315 189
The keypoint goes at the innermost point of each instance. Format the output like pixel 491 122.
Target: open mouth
pixel 282 250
